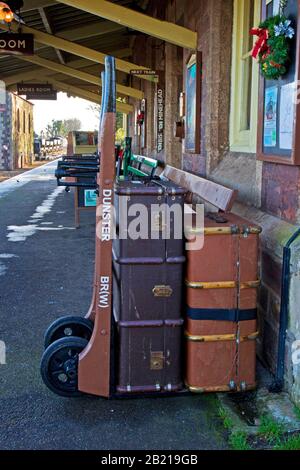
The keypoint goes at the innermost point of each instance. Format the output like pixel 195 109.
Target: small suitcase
pixel 221 297
pixel 147 293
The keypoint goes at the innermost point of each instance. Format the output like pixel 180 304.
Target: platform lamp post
pixel 6 14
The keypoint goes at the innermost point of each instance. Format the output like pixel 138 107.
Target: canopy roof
pixel 70 43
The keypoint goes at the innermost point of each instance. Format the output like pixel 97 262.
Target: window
pixel 18 120
pixel 24 122
pixel 245 74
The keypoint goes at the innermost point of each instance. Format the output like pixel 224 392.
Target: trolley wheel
pixel 59 366
pixel 68 326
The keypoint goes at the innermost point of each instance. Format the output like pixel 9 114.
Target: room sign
pixel 37 91
pixel 16 43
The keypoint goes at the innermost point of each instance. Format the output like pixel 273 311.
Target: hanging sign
pixel 34 88
pixel 160 119
pixel 51 96
pixel 37 91
pixel 16 43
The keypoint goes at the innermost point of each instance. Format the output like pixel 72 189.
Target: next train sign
pixel 16 43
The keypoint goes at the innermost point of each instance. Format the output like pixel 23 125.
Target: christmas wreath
pixel 273 45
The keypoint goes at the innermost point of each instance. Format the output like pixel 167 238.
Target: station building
pixel 228 141
pixel 16 133
pixel 242 131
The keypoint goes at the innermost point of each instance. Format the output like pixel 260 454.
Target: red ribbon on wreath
pixel 261 44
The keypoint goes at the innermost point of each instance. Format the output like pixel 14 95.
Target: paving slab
pixel 47 272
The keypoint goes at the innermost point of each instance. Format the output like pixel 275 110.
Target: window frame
pixel 294 158
pixel 243 140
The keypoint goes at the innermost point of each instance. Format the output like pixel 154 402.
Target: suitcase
pixel 221 297
pixel 147 292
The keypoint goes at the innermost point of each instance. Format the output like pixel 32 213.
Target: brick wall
pixel 280 191
pixel 6 162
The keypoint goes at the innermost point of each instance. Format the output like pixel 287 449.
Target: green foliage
pixel 297 412
pixel 227 421
pixel 238 441
pixel 271 430
pixel 120 136
pixel 290 443
pixel 119 119
pixel 62 128
pixel 275 60
pixel 73 124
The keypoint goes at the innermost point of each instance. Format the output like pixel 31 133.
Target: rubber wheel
pixel 68 326
pixel 59 366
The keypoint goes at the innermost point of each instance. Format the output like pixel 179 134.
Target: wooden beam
pixel 90 30
pixel 87 31
pixel 88 95
pixel 44 73
pixel 77 91
pixel 86 77
pixel 34 4
pixel 120 53
pixel 164 30
pixel 76 49
pixel 49 30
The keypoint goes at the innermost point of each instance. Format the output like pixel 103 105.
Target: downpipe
pixel 278 382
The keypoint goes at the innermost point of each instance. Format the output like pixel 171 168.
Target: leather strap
pixel 221 314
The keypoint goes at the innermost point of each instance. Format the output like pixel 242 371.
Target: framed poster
pixel 270 117
pixel 279 110
pixel 193 103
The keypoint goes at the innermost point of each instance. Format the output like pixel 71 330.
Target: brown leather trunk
pixel 222 281
pixel 147 295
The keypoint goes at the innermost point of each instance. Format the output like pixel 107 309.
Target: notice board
pixel 279 117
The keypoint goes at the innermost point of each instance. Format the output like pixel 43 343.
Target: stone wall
pixel 6 162
pixel 16 133
pixel 274 237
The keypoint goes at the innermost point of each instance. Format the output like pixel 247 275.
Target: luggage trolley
pixel 86 355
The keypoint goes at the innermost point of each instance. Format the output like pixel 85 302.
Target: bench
pixel 142 166
pixel 210 192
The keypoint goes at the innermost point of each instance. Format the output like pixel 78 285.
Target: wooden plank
pixel 164 30
pixel 94 366
pixel 214 193
pixel 79 74
pixel 76 49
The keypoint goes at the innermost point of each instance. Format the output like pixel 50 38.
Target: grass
pixel 227 421
pixel 290 443
pixel 271 430
pixel 297 412
pixel 238 441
